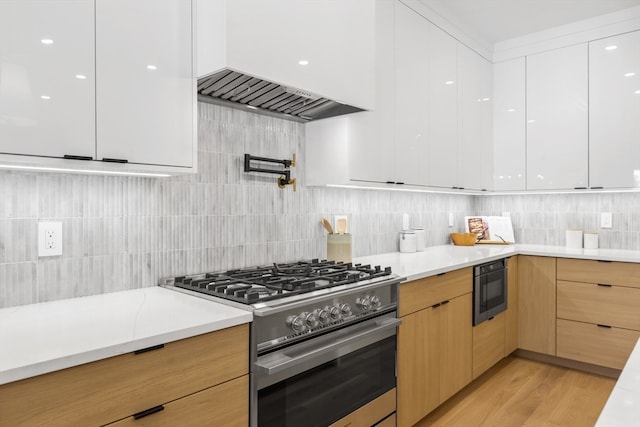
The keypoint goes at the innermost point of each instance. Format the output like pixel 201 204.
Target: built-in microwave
pixel 489 290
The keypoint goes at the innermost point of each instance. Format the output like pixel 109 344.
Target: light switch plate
pixel 450 219
pixel 606 220
pixel 49 238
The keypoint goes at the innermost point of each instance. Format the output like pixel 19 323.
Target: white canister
pixel 421 237
pixel 590 240
pixel 408 241
pixel 574 239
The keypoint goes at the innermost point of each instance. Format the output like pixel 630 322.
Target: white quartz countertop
pixel 441 259
pixel 40 338
pixel 623 406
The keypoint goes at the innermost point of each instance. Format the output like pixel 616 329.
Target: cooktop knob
pixel 375 301
pixel 310 319
pixel 296 323
pixel 334 313
pixel 324 316
pixel 345 309
pixel 364 303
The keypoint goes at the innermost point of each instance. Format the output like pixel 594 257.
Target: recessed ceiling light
pixel 449 82
pixel 511 110
pixel 303 62
pixel 637 92
pixel 46 41
pixel 151 67
pixel 612 47
pixel 45 97
pixel 629 74
pixel 531 121
pixel 80 76
pixel 486 99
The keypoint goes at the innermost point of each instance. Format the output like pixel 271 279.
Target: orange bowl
pixel 464 239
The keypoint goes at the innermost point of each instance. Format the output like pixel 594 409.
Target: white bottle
pixel 408 241
pixel 421 237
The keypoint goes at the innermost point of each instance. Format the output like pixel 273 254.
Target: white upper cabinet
pixel 47 78
pixel 412 74
pixel 145 81
pixel 557 119
pixel 509 125
pixel 614 111
pixel 475 157
pixel 269 39
pixel 441 106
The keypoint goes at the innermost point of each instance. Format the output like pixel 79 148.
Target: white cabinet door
pixel 475 117
pixel 145 81
pixel 557 119
pixel 47 84
pixel 614 111
pixel 509 134
pixel 442 110
pixel 371 143
pixel 412 74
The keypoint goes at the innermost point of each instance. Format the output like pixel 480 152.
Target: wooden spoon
pixel 341 225
pixel 326 225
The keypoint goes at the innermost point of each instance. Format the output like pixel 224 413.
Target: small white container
pixel 408 241
pixel 421 237
pixel 590 240
pixel 574 239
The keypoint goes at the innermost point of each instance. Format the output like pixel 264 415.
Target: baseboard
pixel 568 363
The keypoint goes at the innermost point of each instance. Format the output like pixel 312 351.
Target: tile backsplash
pixel 127 232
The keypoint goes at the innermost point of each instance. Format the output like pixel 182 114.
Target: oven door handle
pixel 348 344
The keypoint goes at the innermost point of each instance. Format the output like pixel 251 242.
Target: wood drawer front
pixel 107 390
pixel 590 343
pixel 488 344
pixel 422 293
pixel 224 405
pixel 370 413
pixel 606 305
pixel 589 271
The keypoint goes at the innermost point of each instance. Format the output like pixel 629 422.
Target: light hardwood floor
pixel 520 392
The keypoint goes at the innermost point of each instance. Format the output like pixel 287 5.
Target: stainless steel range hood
pixel 237 90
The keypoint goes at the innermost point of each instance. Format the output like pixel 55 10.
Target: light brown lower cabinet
pixel 223 405
pixel 488 343
pixel 369 414
pixel 511 314
pixel 596 344
pixel 107 390
pixel 434 357
pixel 537 304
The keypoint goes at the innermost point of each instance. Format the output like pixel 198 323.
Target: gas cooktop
pixel 277 281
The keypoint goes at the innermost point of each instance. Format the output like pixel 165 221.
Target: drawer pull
pixel 602 260
pixel 604 326
pixel 436 305
pixel 110 160
pixel 604 285
pixel 148 412
pixel 144 350
pixel 74 157
pixel 445 302
pixel 491 318
pixel 441 274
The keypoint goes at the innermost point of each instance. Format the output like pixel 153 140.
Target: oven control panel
pixel 322 314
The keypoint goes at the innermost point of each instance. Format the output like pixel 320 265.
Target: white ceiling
pixel 498 20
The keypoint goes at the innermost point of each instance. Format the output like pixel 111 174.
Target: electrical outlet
pixel 49 239
pixel 606 220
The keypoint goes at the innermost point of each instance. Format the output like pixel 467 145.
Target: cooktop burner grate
pixel 277 281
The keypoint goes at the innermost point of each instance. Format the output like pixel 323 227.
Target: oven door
pixel 319 381
pixel 490 295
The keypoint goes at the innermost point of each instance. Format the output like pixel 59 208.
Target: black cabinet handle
pixel 604 326
pixel 148 412
pixel 106 159
pixel 604 285
pixel 436 305
pixel 579 188
pixel 145 350
pixel 391 182
pixel 445 302
pixel 400 183
pixel 491 318
pixel 597 188
pixel 441 274
pixel 72 157
pixel 602 260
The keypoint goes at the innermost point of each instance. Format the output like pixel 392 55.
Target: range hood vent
pixel 237 90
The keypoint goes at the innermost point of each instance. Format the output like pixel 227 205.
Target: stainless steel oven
pixel 323 339
pixel 489 290
pixel 320 381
